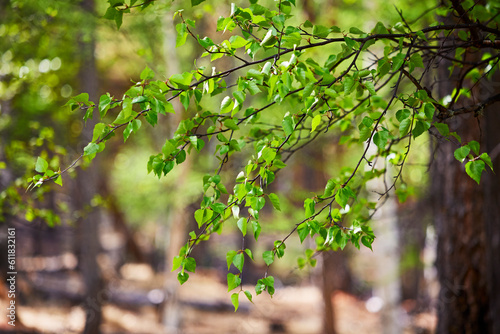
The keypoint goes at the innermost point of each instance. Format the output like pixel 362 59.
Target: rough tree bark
pixel 467 221
pixel 85 188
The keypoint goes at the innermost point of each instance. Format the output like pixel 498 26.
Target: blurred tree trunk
pixel 412 234
pixel 459 217
pixel 85 189
pixel 309 175
pixel 178 218
pixel 491 188
pixel 467 222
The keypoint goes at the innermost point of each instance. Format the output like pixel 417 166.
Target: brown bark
pixel 466 216
pixel 85 188
pixel 491 188
pixel 458 217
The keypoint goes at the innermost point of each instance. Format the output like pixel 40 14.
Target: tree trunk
pixel 459 220
pixel 85 189
pixel 467 225
pixel 491 188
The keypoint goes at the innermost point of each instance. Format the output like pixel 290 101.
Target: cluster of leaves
pixel 368 91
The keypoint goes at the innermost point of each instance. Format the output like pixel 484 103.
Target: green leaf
pixel 242 225
pixel 404 127
pixel 196 2
pixel 420 127
pixel 370 87
pixel 343 195
pixel 249 295
pixel 226 105
pixel 269 39
pixel 238 42
pixel 330 186
pixel 233 281
pixel 182 34
pixel 202 216
pixel 268 154
pixel 416 61
pixel 309 207
pixel 168 166
pixel 380 138
pixel 275 201
pixel 315 122
pixel 461 153
pixel 443 129
pixel 429 110
pixel 356 31
pixel 41 165
pixel 177 262
pixel 398 61
pixel 486 158
pixel 249 253
pixel 234 296
pixel 182 80
pixel 265 284
pixel 380 29
pixel 474 146
pixel 268 257
pixel 132 126
pixel 287 124
pixel 239 261
pixel 256 228
pixel 474 169
pixel 104 104
pixel 367 241
pixel 320 31
pixel 90 149
pixel 303 231
pixel 182 277
pixel 58 180
pixel 348 85
pixel 229 258
pixel 147 74
pixel 190 264
pixel 198 143
pixel 167 148
pixel 402 114
pixel 231 124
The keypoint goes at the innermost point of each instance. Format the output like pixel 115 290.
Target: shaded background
pixel 95 255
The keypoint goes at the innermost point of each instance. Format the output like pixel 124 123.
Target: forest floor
pixel 205 308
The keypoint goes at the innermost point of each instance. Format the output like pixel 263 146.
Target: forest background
pixel 86 244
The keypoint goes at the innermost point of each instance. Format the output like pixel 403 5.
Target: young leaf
pixel 249 295
pixel 182 277
pixel 234 300
pixel 309 207
pixel 315 122
pixel 398 61
pixel 275 201
pixel 146 74
pixel 242 225
pixel 443 128
pixel 461 153
pixel 229 258
pixel 41 165
pixel 380 138
pixel 90 149
pixel 233 281
pixel 474 146
pixel 268 257
pixel 486 158
pixel 287 125
pixel 474 169
pixel 238 261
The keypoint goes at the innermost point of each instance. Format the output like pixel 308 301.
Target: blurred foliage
pixel 265 82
